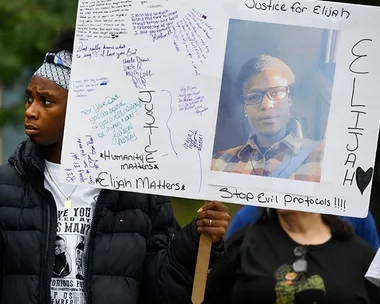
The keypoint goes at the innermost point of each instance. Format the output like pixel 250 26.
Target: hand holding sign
pixel 213 219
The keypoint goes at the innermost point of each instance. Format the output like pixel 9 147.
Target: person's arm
pixel 171 257
pixel 373 277
pixel 222 276
pixel 373 291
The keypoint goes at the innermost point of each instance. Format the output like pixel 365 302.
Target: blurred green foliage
pixel 12 115
pixel 27 29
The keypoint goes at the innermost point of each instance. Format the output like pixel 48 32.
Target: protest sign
pixel 182 98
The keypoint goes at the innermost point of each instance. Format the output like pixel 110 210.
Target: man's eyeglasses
pixel 300 265
pixel 255 97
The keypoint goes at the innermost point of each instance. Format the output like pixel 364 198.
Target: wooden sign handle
pixel 201 269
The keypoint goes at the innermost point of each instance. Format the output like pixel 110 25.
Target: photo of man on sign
pixel 277 146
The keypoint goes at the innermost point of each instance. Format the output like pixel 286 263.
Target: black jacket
pixel 151 260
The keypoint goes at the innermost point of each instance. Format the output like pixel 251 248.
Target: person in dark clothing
pixel 375 190
pixel 363 227
pixel 135 250
pixel 292 257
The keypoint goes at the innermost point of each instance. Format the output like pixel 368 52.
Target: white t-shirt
pixel 73 227
pixel 373 273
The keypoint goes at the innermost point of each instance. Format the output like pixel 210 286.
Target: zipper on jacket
pixel 47 265
pixel 90 247
pixel 46 258
pixel 47 268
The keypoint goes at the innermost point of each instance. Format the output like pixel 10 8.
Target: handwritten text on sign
pixel 151 81
pixel 284 200
pixel 297 8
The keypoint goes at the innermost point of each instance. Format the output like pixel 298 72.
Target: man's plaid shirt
pixel 248 159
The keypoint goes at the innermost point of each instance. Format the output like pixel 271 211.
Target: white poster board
pixel 155 93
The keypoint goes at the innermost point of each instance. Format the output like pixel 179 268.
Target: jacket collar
pixel 27 158
pixel 290 141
